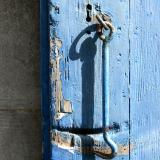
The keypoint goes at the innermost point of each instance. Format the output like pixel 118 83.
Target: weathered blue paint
pixel 76 74
pixel 106 97
pixel 92 84
pixel 145 79
pixel 76 58
pixel 134 77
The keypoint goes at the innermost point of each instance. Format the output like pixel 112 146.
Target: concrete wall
pixel 20 125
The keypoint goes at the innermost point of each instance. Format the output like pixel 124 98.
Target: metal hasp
pixel 105 23
pixel 69 131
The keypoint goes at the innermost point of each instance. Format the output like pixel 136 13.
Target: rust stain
pixel 62 141
pixel 62 106
pixel 68 141
pixel 124 150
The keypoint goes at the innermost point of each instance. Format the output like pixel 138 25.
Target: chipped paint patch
pixel 122 150
pixel 67 106
pixel 63 140
pixel 62 106
pixel 73 143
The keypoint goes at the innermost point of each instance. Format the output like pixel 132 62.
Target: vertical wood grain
pixel 145 79
pixel 134 71
pixel 81 69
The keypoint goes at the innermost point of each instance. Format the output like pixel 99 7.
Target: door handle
pixel 105 23
pixel 105 31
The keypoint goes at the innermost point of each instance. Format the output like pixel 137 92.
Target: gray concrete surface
pixel 20 125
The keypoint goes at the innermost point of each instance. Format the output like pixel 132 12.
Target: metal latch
pixel 84 144
pixel 107 148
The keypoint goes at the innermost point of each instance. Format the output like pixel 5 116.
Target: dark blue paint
pixel 44 44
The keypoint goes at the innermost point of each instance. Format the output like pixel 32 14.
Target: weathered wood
pixel 76 66
pixel 145 79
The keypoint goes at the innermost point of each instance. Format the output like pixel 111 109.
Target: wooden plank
pixel 75 70
pixel 145 79
pixel 119 70
pixel 72 89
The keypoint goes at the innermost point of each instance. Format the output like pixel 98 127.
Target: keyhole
pixel 89 12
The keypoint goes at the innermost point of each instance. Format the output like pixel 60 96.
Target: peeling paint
pixel 63 140
pixel 73 143
pixel 67 106
pixel 122 150
pixel 75 82
pixel 62 106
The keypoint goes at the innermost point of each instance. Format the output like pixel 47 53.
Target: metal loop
pixel 107 25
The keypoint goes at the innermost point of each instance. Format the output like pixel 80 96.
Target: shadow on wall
pixel 86 55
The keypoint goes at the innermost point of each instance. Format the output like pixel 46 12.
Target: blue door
pixel 100 79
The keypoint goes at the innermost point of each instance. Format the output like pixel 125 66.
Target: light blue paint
pixel 83 85
pixel 106 98
pixel 145 79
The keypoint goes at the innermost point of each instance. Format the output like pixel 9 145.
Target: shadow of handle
pixel 73 54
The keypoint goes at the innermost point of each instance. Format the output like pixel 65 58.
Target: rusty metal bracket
pixel 105 23
pixel 86 144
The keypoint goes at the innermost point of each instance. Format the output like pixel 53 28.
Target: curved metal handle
pixel 106 99
pixel 112 145
pixel 104 152
pixel 106 38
